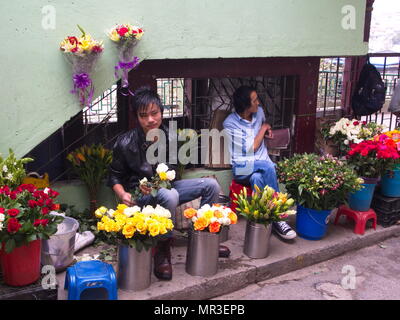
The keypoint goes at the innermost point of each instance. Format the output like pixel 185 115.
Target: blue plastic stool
pixel 89 275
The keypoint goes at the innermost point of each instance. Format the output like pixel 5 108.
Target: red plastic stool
pixel 236 188
pixel 360 218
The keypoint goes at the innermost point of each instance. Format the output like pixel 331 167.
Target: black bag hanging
pixel 369 95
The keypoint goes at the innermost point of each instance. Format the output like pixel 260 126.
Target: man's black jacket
pixel 129 164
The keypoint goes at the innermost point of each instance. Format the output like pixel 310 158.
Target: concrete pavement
pixel 239 271
pixel 370 273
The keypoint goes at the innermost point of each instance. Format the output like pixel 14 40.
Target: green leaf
pixel 10 245
pixel 31 237
pixel 139 245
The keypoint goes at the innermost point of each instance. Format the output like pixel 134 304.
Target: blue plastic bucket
pixel 361 199
pixel 390 183
pixel 311 224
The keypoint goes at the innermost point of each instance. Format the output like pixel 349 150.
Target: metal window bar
pixel 171 91
pixel 330 85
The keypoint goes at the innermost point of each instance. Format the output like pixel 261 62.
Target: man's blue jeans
pixel 264 174
pixel 183 191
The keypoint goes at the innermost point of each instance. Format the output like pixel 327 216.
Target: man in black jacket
pixel 130 165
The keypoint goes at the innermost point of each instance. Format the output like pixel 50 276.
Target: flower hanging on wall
pixel 126 37
pixel 83 54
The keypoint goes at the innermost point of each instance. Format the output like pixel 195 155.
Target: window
pixel 171 91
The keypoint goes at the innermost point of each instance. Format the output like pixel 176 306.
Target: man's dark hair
pixel 143 97
pixel 241 98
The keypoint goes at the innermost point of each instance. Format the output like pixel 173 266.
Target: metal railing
pixel 331 81
pixel 96 124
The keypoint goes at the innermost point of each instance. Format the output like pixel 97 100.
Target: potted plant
pixel 370 158
pixel 24 222
pixel 134 231
pixel 390 182
pixel 318 184
pixel 202 250
pixel 261 209
pixel 91 165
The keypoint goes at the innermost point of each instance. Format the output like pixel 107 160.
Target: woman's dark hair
pixel 143 97
pixel 241 98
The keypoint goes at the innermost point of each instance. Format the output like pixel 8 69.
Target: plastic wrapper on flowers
pixel 126 37
pixel 82 53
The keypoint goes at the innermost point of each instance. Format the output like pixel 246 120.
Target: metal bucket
pixel 202 253
pixel 256 240
pixel 134 268
pixel 59 249
pixel 224 234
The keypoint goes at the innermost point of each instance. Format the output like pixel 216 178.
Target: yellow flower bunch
pixel 82 45
pixel 394 135
pixel 132 221
pixel 210 218
pixel 265 206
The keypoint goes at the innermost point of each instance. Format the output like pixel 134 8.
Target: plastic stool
pixel 236 187
pixel 360 218
pixel 89 275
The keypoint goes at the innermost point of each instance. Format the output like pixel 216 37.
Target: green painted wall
pixel 75 193
pixel 35 98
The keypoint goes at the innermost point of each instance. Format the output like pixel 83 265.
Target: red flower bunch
pixel 24 215
pixel 371 157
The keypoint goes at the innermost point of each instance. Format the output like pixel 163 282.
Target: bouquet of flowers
pixel 210 218
pixel 371 157
pixel 91 165
pixel 12 171
pixel 134 227
pixel 162 179
pixel 82 53
pixel 126 37
pixel 264 206
pixel 319 183
pixel 345 132
pixel 24 215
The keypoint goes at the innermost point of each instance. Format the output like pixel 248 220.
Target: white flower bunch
pixel 350 128
pixel 130 211
pixel 2 218
pixel 164 172
pixel 210 213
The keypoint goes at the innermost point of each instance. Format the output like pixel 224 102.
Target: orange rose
pixel 214 227
pixel 200 224
pixel 189 213
pixel 233 217
pixel 218 214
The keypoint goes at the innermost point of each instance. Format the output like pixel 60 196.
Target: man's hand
pixel 126 198
pixel 145 189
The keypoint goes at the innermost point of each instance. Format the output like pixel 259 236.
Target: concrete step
pixel 239 271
